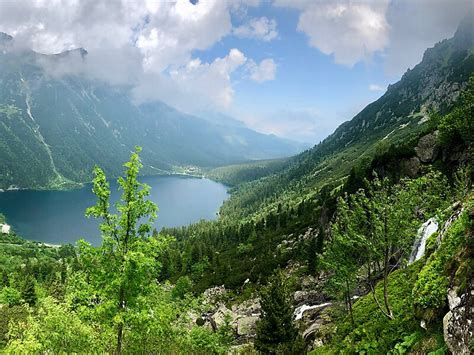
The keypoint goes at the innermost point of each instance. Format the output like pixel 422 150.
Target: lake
pixel 58 216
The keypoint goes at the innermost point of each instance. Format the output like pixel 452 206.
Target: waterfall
pixel 298 314
pixel 424 232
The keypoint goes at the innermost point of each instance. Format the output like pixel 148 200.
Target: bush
pixel 10 296
pixel 183 286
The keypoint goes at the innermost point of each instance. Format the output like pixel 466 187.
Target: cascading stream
pixel 424 232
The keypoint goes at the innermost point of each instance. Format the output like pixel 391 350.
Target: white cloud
pixel 148 44
pixel 262 72
pixel 304 125
pixel 399 30
pixel 259 28
pixel 417 25
pixel 174 30
pixel 376 87
pixel 351 31
pixel 195 86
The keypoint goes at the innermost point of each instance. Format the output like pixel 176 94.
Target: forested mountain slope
pixel 395 119
pixel 54 127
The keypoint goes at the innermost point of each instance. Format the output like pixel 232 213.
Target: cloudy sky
pixel 295 68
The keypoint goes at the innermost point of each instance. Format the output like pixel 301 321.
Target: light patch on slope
pixel 234 140
pixel 37 132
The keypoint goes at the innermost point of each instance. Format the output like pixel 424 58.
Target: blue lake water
pixel 58 216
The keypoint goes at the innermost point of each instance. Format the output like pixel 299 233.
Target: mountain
pixel 292 216
pixel 395 119
pixel 55 126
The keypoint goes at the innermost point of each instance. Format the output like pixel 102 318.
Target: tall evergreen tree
pixel 276 332
pixel 28 292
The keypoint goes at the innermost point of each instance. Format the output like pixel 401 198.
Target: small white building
pixel 5 228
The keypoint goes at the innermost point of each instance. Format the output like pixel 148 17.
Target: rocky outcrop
pixel 246 326
pixel 214 294
pixel 411 167
pixel 458 326
pixel 428 148
pixel 308 297
pixel 311 322
pixel 241 317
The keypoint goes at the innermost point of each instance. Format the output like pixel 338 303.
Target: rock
pixel 428 148
pixel 458 325
pixel 308 282
pixel 213 295
pixel 248 308
pixel 453 299
pixel 246 326
pixel 411 167
pixel 313 297
pixel 220 315
pixel 312 333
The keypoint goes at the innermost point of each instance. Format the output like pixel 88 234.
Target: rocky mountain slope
pixel 54 127
pixel 395 119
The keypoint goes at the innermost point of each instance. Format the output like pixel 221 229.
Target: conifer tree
pixel 28 292
pixel 276 332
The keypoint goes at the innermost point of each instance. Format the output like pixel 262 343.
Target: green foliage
pixel 182 287
pixel 124 267
pixel 237 174
pixel 54 329
pixel 373 332
pixel 203 341
pixel 10 296
pixel 276 332
pixel 430 289
pixel 28 292
pixel 10 316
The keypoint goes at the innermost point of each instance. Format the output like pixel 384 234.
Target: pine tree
pixel 276 332
pixel 28 293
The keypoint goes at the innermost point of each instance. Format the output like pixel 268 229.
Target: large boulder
pixel 214 294
pixel 221 315
pixel 308 297
pixel 411 167
pixel 428 148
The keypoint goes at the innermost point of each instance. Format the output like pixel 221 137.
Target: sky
pixel 293 68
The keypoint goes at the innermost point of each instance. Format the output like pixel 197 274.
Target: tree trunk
pixel 385 270
pixel 349 302
pixel 121 306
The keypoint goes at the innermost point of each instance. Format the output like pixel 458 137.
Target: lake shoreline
pixel 57 216
pixel 80 185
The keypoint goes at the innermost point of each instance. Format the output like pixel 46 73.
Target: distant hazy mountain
pixel 55 128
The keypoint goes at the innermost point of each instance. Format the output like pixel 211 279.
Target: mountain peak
pixel 464 35
pixel 81 51
pixel 5 38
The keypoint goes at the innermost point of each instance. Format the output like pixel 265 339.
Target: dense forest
pixel 142 290
pixel 361 244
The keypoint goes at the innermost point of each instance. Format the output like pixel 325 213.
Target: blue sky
pixel 295 68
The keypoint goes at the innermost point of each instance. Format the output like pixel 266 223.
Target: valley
pixel 173 234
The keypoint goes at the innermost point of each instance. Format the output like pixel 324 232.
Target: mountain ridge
pixel 55 127
pixel 399 116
